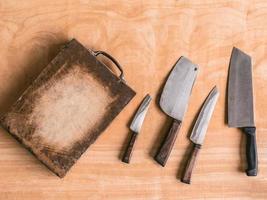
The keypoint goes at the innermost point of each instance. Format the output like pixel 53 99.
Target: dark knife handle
pixel 166 147
pixel 128 153
pixel 251 151
pixel 190 164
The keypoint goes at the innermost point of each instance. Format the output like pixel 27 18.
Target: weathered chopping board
pixel 67 107
pixel 146 37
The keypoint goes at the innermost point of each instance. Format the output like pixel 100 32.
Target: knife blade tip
pixel 237 51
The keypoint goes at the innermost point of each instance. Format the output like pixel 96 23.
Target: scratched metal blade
pixel 240 91
pixel 201 125
pixel 177 89
pixel 140 115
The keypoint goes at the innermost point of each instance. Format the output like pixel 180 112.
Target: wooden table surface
pixel 147 38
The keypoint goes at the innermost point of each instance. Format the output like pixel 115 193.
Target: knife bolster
pixel 249 130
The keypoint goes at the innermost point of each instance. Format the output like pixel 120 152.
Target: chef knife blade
pixel 240 104
pixel 135 127
pixel 199 131
pixel 174 100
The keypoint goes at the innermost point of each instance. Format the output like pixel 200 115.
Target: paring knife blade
pixel 135 127
pixel 174 100
pixel 199 131
pixel 240 104
pixel 140 115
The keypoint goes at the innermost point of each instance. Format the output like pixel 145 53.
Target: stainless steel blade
pixel 140 115
pixel 201 125
pixel 240 92
pixel 177 90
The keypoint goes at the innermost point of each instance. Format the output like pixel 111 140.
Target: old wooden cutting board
pixel 67 107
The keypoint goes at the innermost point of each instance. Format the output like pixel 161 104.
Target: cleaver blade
pixel 240 91
pixel 174 100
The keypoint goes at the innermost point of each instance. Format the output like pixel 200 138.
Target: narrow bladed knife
pixel 135 127
pixel 174 100
pixel 199 132
pixel 240 104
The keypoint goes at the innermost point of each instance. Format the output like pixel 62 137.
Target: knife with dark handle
pixel 240 104
pixel 199 132
pixel 174 100
pixel 135 127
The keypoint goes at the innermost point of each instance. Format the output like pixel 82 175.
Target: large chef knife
pixel 174 100
pixel 199 131
pixel 240 104
pixel 135 127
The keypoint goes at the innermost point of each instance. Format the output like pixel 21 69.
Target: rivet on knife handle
pixel 167 145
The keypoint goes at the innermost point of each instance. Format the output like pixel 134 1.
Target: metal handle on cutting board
pixel 121 76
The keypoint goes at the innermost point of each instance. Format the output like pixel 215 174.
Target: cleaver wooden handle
pixel 251 151
pixel 190 164
pixel 128 153
pixel 166 147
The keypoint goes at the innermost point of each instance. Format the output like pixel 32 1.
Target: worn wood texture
pixel 67 107
pixel 147 37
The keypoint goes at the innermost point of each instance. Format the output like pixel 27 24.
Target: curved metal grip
pixel 121 76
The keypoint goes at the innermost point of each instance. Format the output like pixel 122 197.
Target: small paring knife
pixel 240 104
pixel 199 132
pixel 174 100
pixel 136 127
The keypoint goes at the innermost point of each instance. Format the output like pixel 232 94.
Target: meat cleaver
pixel 240 104
pixel 174 100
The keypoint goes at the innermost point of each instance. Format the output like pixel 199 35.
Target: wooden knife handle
pixel 167 145
pixel 190 165
pixel 128 153
pixel 251 151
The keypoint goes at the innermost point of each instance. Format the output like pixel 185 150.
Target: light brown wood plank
pixel 146 37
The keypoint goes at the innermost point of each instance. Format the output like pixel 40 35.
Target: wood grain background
pixel 146 37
